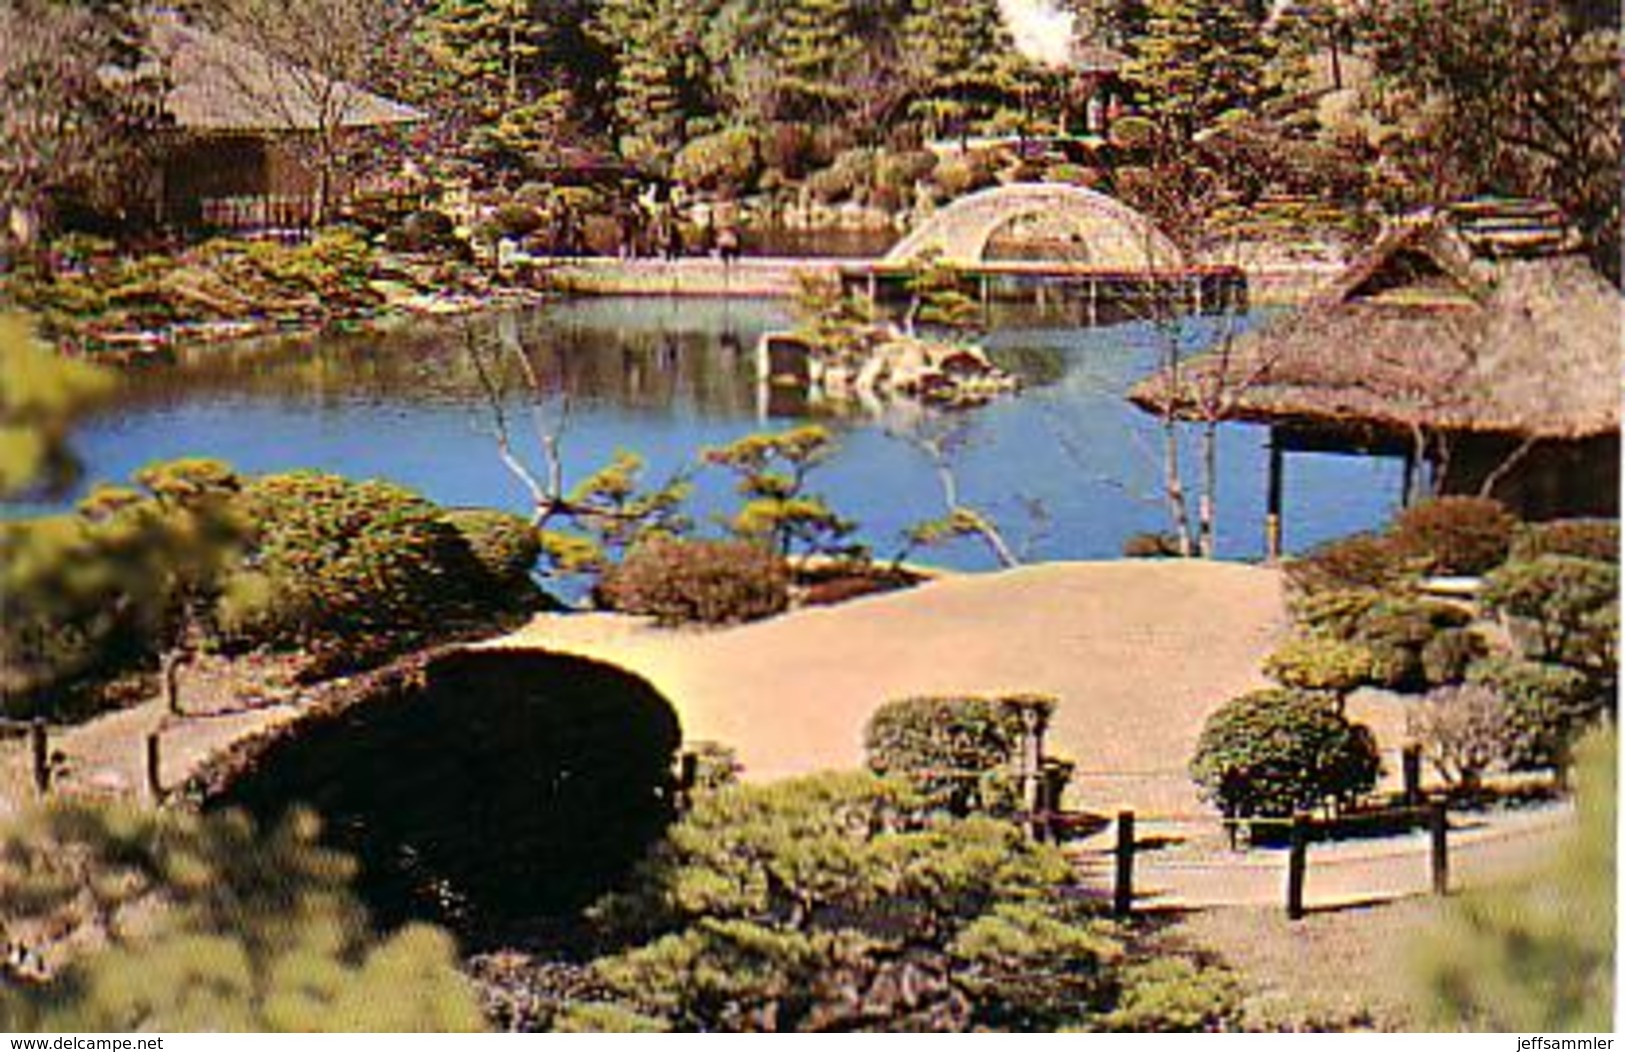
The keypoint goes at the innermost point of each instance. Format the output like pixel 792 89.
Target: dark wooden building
pixel 246 129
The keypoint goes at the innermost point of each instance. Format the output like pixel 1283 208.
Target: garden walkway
pixel 1137 652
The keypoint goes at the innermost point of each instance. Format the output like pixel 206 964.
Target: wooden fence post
pixel 155 781
pixel 1410 764
pixel 1439 827
pixel 1297 862
pixel 39 746
pixel 1123 886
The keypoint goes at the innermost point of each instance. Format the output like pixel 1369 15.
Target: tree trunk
pixel 1207 506
pixel 1174 488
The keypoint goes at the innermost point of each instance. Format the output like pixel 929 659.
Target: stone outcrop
pixel 888 364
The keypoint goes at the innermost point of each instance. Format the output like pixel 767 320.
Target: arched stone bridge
pixel 1107 234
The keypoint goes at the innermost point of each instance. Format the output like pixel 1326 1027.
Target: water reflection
pixel 667 378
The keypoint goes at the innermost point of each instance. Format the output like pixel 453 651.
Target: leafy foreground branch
pixel 118 920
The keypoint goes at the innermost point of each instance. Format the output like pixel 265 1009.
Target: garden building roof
pixel 222 86
pixel 1420 333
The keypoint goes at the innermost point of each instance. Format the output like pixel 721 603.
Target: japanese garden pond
pixel 666 378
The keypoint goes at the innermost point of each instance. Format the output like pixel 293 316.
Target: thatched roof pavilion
pixel 247 129
pixel 1421 343
pixel 220 86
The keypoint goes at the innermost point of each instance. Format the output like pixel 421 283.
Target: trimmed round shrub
pixel 343 556
pixel 962 174
pixel 958 753
pixel 1447 656
pixel 505 546
pixel 1335 614
pixel 1455 535
pixel 1134 133
pixel 516 220
pixel 682 581
pixel 1397 630
pixel 423 231
pixel 1594 539
pixel 1151 546
pixel 1548 708
pixel 900 171
pixel 1465 730
pixel 1274 752
pixel 1561 609
pixel 727 161
pixel 1320 664
pixel 1363 560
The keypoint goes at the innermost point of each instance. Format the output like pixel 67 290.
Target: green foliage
pixel 727 162
pixel 1411 643
pixel 1274 752
pixel 957 753
pixel 1595 539
pixel 1448 655
pixel 838 324
pixel 610 511
pixel 937 300
pixel 1516 96
pixel 1538 955
pixel 1465 731
pixel 207 925
pixel 1174 995
pixel 353 557
pixel 505 548
pixel 40 395
pixel 1455 535
pixel 1360 561
pixel 773 472
pixel 1398 631
pixel 220 280
pixel 1318 663
pixel 1198 59
pixel 99 591
pixel 834 903
pixel 1548 708
pixel 695 581
pixel 965 66
pixel 964 173
pixel 1562 608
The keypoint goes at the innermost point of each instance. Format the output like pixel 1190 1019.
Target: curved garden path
pixel 1137 652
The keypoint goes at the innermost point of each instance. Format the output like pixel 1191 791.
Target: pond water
pixel 1068 467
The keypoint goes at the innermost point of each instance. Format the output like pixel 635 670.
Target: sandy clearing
pixel 1138 652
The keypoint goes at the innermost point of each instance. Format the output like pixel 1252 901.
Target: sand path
pixel 1137 652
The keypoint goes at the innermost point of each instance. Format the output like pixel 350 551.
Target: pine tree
pixel 965 64
pixel 489 49
pixel 1197 59
pixel 817 46
pixel 662 77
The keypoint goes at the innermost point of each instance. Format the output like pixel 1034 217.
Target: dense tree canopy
pixel 79 98
pixel 1515 96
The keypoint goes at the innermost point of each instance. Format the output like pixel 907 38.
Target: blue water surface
pixel 1068 467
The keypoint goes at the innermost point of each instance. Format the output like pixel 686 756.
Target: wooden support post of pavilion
pixel 1272 512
